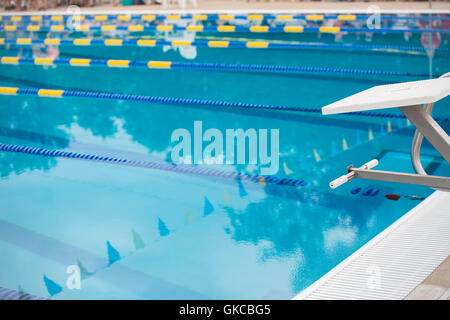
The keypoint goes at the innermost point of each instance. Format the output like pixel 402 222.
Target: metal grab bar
pixel 351 174
pixel 417 141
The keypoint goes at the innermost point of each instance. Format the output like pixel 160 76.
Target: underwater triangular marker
pixel 188 217
pixel 208 209
pixel 163 230
pixel 242 192
pixel 169 157
pixel 137 240
pixel 316 155
pixel 370 134
pixel 226 197
pixel 113 254
pixel 344 144
pixel 389 126
pixel 52 287
pixel 83 271
pixel 286 169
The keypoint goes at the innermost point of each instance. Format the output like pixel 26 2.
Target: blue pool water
pixel 141 233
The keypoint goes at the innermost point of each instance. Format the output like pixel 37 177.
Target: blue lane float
pixel 355 191
pixel 370 192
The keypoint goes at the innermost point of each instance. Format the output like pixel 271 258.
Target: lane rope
pixel 10 294
pixel 152 165
pixel 54 93
pixel 200 28
pixel 213 17
pixel 152 64
pixel 210 44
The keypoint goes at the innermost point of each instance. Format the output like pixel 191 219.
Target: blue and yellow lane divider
pixel 211 44
pixel 53 93
pixel 152 64
pixel 214 17
pixel 200 28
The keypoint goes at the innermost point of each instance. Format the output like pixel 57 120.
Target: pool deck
pixel 408 260
pixel 285 5
pixel 436 286
pixel 210 6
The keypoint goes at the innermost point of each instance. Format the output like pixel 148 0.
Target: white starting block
pixel 408 97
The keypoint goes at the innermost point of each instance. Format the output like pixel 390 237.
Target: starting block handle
pixel 371 164
pixel 350 175
pixel 339 181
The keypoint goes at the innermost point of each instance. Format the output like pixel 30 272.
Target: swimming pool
pixel 140 233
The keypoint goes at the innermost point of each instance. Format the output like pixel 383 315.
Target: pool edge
pixel 360 280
